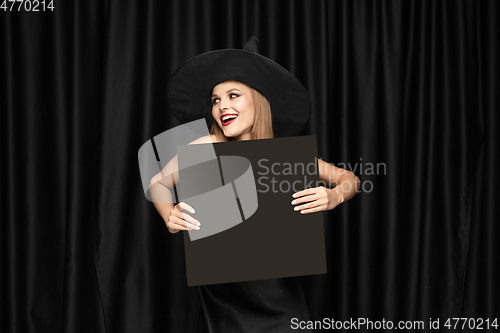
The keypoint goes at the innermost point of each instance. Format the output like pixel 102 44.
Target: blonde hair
pixel 263 124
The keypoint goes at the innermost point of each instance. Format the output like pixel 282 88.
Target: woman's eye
pixel 214 101
pixel 233 95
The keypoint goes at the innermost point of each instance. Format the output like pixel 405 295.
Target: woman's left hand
pixel 316 199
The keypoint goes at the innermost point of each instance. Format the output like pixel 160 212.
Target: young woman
pixel 249 97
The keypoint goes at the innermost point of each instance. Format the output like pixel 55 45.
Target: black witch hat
pixel 190 88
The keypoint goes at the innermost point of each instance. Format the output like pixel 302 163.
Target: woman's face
pixel 233 109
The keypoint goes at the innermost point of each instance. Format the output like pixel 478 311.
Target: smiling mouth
pixel 228 119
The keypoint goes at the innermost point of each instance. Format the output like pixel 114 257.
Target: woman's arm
pixel 344 182
pixel 160 188
pixel 345 186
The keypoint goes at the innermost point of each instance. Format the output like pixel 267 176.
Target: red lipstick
pixel 230 121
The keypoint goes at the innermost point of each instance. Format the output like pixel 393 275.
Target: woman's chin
pixel 235 133
pixel 230 134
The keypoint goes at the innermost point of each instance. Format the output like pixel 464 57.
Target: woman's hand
pixel 316 199
pixel 179 220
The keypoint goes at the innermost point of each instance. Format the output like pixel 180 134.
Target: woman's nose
pixel 223 105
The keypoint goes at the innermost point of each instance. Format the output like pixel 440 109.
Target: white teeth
pixel 228 117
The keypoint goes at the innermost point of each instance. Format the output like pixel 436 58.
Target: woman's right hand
pixel 180 220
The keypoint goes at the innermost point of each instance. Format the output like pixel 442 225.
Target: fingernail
pixel 296 208
pixel 293 202
pixel 302 212
pixel 197 228
pixel 293 195
pixel 198 223
pixel 192 210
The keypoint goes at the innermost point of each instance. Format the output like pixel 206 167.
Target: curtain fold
pixel 403 94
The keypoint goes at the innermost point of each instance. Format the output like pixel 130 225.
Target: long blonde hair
pixel 262 126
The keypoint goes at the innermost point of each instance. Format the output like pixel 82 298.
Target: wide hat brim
pixel 190 88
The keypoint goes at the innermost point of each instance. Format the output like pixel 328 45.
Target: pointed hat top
pixel 252 45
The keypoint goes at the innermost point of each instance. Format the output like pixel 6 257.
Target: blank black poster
pixel 275 241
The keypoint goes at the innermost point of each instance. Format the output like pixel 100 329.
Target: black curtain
pixel 403 95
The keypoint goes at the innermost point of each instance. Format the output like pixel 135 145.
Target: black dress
pixel 252 307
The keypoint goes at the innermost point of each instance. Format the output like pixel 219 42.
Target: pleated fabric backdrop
pixel 403 95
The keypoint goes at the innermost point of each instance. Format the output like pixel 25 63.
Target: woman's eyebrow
pixel 227 92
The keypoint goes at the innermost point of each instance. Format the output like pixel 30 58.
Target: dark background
pixel 410 84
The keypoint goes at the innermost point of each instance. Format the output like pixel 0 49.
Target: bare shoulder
pixel 205 139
